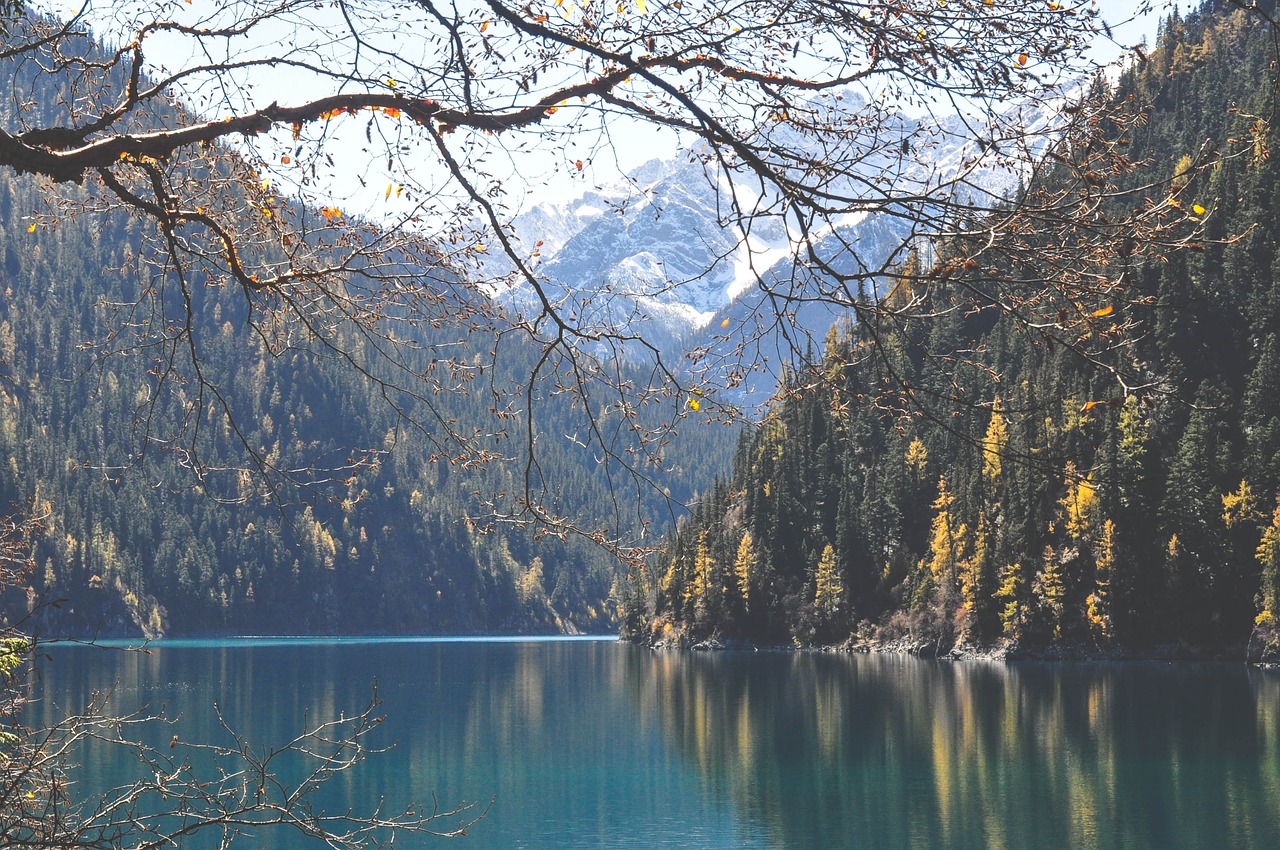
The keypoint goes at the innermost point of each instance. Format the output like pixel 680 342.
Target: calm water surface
pixel 596 744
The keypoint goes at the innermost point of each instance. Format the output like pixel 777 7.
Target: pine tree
pixel 1050 593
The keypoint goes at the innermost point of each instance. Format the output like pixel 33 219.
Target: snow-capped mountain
pixel 667 253
pixel 653 254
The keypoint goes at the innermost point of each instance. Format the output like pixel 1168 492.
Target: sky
pixel 365 186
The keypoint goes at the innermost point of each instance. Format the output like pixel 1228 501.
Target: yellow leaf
pixel 725 323
pixel 32 228
pixel 391 82
pixel 1197 209
pixel 387 195
pixel 1105 311
pixel 644 9
pixel 695 404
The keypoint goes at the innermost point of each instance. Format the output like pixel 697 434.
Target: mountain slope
pixel 150 525
pixel 675 253
pixel 1018 494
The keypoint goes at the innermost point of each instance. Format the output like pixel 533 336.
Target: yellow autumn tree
pixel 1050 591
pixel 744 568
pixel 1239 506
pixel 829 593
pixel 670 577
pixel 695 592
pixel 1269 560
pixel 1012 596
pixel 529 584
pixel 948 542
pixel 1078 502
pixel 973 572
pixel 1098 604
pixel 993 444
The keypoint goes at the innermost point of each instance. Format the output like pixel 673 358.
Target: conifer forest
pixel 1023 493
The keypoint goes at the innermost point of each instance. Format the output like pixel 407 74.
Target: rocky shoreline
pixel 1001 651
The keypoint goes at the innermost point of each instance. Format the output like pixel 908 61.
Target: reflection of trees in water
pixel 830 750
pixel 468 722
pixel 585 744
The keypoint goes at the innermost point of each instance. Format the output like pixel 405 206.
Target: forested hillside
pixel 1020 491
pixel 157 517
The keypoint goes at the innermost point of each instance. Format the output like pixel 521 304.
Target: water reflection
pixel 594 745
pixel 544 730
pixel 856 751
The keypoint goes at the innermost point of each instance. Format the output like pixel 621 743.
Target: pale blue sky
pixel 360 186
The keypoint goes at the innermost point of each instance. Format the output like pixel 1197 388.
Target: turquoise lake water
pixel 596 744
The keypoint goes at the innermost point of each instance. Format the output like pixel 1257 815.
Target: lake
pixel 598 744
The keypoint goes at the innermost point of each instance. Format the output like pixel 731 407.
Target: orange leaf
pixel 725 323
pixel 286 159
pixel 578 164
pixel 1022 58
pixel 1105 311
pixel 1090 405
